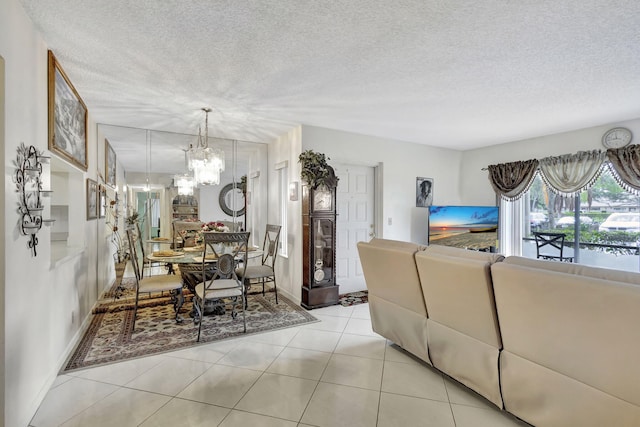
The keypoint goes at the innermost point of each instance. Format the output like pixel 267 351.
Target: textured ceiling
pixel 457 73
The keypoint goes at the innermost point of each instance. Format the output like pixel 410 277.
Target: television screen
pixel 470 227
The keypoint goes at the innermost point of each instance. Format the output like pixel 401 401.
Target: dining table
pixel 189 264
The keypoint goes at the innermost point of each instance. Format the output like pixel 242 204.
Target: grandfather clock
pixel 319 288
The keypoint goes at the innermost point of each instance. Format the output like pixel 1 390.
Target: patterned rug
pixel 109 337
pixel 354 298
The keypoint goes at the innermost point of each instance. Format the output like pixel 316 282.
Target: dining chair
pixel 143 256
pixel 550 246
pixel 228 250
pixel 180 231
pixel 265 272
pixel 150 284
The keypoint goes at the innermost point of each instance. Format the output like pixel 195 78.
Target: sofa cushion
pixel 391 274
pixel 543 397
pixel 458 292
pixel 582 327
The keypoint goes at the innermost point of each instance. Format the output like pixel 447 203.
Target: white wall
pixel 48 303
pixel 289 270
pixel 401 162
pixel 475 186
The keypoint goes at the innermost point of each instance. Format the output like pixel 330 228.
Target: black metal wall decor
pixel 28 179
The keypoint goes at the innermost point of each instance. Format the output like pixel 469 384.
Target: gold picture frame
pixel 92 199
pixel 109 164
pixel 67 117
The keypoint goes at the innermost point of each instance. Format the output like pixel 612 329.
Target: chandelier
pixel 185 184
pixel 205 162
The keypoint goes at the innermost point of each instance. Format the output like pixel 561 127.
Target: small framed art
pixel 109 164
pixel 92 199
pixel 424 192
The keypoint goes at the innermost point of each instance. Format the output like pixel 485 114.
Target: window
pixel 601 224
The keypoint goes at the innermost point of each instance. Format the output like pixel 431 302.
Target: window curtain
pixel 512 180
pixel 511 229
pixel 625 166
pixel 570 173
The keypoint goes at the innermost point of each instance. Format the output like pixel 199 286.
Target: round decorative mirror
pixel 232 200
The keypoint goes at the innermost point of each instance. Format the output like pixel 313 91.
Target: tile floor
pixel 336 372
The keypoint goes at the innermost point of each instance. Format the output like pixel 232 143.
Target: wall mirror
pixel 146 165
pixel 232 200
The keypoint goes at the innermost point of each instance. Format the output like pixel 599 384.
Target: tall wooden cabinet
pixel 319 287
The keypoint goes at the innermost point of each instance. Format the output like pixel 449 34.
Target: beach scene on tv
pixel 469 227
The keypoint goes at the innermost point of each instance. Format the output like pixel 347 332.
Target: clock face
pixel 322 200
pixel 616 138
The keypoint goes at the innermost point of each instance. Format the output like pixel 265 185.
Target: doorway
pixel 148 208
pixel 356 222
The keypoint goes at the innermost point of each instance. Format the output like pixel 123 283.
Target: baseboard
pixel 290 297
pixel 76 339
pixel 61 362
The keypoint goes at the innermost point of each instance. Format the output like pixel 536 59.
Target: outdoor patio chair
pixel 550 246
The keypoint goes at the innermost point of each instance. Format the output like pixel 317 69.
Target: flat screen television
pixel 469 227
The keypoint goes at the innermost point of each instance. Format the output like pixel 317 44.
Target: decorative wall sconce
pixel 28 179
pixel 293 191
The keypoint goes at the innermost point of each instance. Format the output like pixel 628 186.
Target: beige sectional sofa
pixel 556 344
pixel 571 337
pixel 396 304
pixel 462 328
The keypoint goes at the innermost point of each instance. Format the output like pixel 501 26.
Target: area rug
pixel 109 337
pixel 354 298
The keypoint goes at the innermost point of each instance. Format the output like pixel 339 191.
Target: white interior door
pixel 355 204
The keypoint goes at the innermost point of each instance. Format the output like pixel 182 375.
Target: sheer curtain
pixel 511 226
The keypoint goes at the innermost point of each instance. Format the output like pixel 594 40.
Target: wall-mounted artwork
pixel 109 164
pixel 92 199
pixel 67 117
pixel 424 192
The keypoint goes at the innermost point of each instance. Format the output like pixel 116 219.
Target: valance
pixel 572 173
pixel 625 166
pixel 512 180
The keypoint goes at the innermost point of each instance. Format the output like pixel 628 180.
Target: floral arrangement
pixel 215 226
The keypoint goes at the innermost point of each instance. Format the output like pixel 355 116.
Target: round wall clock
pixel 616 138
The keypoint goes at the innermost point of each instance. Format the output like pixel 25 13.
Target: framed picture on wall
pixel 67 117
pixel 92 199
pixel 424 192
pixel 109 164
